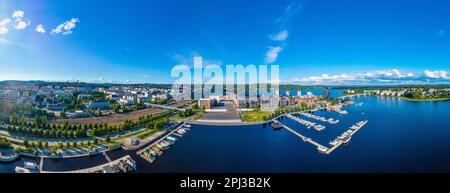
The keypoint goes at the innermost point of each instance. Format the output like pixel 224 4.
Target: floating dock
pixel 341 139
pixel 319 118
pixel 304 138
pixel 157 148
pixel 306 123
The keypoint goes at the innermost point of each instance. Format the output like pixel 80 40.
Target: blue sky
pixel 314 42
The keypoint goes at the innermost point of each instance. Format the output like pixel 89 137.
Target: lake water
pixel 401 136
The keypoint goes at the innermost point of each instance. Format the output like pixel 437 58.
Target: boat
pixel 30 165
pixel 187 125
pixel 347 140
pixel 276 126
pixel 334 142
pixel 171 139
pixel 322 149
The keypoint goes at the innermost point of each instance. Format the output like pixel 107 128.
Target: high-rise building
pixel 326 94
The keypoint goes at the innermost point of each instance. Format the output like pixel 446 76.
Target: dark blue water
pixel 401 136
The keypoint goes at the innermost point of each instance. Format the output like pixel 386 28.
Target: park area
pixel 256 115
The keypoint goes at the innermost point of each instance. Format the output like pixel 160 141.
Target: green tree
pixel 26 143
pixel 95 141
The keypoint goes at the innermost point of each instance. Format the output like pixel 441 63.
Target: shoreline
pixel 423 100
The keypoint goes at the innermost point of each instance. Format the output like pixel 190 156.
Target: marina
pixel 319 118
pixel 308 124
pixel 344 138
pixel 157 148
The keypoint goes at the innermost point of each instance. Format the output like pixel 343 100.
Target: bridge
pixel 165 107
pixel 353 95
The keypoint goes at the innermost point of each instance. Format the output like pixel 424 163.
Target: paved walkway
pixel 72 152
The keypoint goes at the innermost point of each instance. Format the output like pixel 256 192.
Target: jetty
pixel 157 148
pixel 344 138
pixel 306 123
pixel 304 138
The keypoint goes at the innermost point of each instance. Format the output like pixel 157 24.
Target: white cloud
pixel 66 27
pixel 441 33
pixel 67 33
pixel 189 60
pixel 40 28
pixel 281 36
pixel 272 54
pixel 380 76
pixel 325 77
pixel 21 25
pixel 5 21
pixel 436 74
pixel 3 30
pixel 5 41
pixel 394 73
pixel 291 10
pixel 18 14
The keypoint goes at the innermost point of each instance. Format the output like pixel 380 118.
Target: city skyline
pixel 314 42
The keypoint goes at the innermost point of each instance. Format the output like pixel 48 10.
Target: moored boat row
pixel 158 149
pixel 319 118
pixel 309 124
pixel 346 136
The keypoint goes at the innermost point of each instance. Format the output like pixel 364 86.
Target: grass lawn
pixel 255 115
pixel 128 135
pixel 177 118
pixel 197 114
pixel 147 133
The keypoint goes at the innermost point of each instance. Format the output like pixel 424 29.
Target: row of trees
pixel 65 126
pixel 158 124
pixel 73 131
pixel 61 145
pixel 4 143
pixel 187 113
pixel 68 134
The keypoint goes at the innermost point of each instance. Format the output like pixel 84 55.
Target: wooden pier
pixel 304 138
